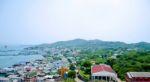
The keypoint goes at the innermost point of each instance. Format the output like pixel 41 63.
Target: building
pixel 103 72
pixel 137 77
pixel 14 78
pixel 4 79
pixel 30 79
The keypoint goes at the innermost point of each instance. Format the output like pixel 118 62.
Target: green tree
pixel 72 67
pixel 86 65
pixel 131 61
pixel 71 74
pixel 110 61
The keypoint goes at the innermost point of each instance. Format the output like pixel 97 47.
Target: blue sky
pixel 47 21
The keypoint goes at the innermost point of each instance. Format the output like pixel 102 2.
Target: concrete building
pixel 137 77
pixel 30 79
pixel 14 78
pixel 103 72
pixel 4 79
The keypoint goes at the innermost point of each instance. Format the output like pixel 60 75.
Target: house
pixel 4 79
pixel 137 77
pixel 14 78
pixel 103 72
pixel 30 79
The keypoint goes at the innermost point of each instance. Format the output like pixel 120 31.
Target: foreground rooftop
pixel 138 74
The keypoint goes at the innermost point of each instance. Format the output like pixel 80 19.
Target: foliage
pixel 110 61
pixel 131 61
pixel 99 60
pixel 31 74
pixel 72 67
pixel 92 44
pixel 86 66
pixel 72 74
pixel 85 70
pixel 69 80
pixel 84 75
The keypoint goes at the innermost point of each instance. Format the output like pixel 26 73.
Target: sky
pixel 47 21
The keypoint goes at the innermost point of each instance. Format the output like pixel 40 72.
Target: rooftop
pixel 101 67
pixel 4 79
pixel 138 74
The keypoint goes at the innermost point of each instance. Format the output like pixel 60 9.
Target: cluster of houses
pixel 35 71
pixel 41 71
pixel 54 67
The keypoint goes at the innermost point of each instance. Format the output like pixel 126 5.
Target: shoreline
pixel 12 60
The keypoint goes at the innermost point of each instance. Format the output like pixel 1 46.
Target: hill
pixel 93 44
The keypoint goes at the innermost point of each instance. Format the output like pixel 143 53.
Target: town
pixel 73 65
pixel 74 40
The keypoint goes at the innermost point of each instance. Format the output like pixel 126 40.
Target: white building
pixel 103 72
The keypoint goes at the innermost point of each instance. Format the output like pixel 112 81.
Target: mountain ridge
pixel 96 43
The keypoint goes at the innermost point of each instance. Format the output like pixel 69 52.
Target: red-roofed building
pixel 103 72
pixel 137 77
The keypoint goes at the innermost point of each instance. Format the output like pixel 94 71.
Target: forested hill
pixel 81 43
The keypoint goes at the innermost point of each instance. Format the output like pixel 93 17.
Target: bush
pixel 72 67
pixel 85 77
pixel 69 80
pixel 72 74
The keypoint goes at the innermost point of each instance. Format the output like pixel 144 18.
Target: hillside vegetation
pixel 93 44
pixel 131 61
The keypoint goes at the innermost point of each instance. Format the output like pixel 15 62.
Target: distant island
pixel 76 43
pixel 81 43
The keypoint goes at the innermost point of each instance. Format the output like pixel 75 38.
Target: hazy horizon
pixel 68 40
pixel 48 21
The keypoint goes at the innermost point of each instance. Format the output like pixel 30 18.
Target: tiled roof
pixel 138 74
pixel 100 68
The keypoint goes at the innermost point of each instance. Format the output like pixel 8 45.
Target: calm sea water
pixel 9 59
pixel 6 61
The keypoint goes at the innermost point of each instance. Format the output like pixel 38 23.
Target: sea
pixel 9 55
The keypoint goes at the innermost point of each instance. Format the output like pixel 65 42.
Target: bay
pixel 7 61
pixel 9 55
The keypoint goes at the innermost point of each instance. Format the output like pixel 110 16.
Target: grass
pixel 69 80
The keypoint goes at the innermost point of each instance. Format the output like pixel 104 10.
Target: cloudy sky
pixel 46 21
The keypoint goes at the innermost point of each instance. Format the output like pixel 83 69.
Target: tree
pixel 110 61
pixel 72 74
pixel 86 65
pixel 72 67
pixel 99 60
pixel 131 61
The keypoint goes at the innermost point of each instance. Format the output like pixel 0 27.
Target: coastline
pixel 8 61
